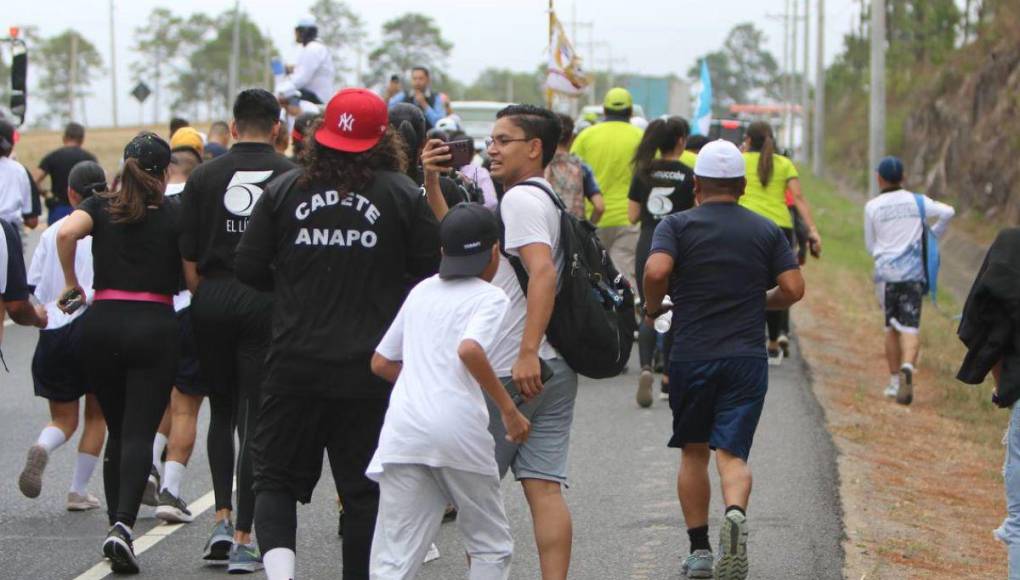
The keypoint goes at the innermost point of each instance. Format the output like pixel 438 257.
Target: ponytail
pixel 661 136
pixel 763 142
pixel 138 190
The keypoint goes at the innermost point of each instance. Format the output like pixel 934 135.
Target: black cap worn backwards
pixel 151 152
pixel 87 178
pixel 467 234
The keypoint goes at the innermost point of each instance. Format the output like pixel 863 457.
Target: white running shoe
pixel 432 554
pixel 775 357
pixel 890 391
pixel 81 503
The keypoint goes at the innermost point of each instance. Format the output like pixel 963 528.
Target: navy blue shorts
pixel 718 402
pixel 57 369
pixel 189 380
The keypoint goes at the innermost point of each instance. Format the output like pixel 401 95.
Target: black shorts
pixel 293 432
pixel 189 379
pixel 902 304
pixel 57 369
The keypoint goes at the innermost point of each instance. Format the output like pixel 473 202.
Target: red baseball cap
pixel 355 121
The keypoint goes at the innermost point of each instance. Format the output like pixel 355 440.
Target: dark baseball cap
pixel 87 178
pixel 891 169
pixel 467 235
pixel 150 150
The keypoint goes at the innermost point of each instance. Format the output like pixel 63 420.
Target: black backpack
pixel 593 322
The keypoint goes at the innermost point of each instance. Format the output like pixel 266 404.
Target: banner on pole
pixel 566 76
pixel 703 106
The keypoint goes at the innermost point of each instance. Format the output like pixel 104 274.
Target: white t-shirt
pixel 529 217
pixel 437 414
pixel 47 276
pixel 15 191
pixel 182 299
pixel 892 233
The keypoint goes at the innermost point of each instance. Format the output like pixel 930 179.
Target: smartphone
pixel 71 301
pixel 546 375
pixel 462 151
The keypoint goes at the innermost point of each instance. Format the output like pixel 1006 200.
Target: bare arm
pixel 804 208
pixel 656 283
pixel 538 260
pixel 75 227
pixel 191 277
pixel 598 208
pixel 39 176
pixel 789 291
pixel 387 369
pixel 473 356
pixel 633 211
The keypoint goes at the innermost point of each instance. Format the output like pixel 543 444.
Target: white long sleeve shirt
pixel 892 233
pixel 313 71
pixel 15 191
pixel 46 274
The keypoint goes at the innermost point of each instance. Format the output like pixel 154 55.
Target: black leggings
pixel 778 321
pixel 130 352
pixel 232 324
pixel 647 337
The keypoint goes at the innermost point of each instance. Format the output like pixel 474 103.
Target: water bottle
pixel 665 320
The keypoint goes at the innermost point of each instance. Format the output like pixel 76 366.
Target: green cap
pixel 618 99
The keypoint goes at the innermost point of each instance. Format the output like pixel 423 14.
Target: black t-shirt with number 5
pixel 667 189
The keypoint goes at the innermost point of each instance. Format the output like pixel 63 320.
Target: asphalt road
pixel 627 522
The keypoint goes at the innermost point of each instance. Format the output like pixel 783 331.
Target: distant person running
pixel 892 234
pixel 662 185
pixel 58 370
pixel 129 334
pixel 721 265
pixel 15 185
pixel 57 165
pixel 609 148
pixel 571 180
pixel 769 176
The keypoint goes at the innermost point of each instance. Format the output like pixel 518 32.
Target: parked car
pixel 477 119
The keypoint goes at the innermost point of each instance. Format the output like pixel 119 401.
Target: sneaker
pixel 450 514
pixel 30 480
pixel 173 509
pixel 81 503
pixel 905 394
pixel 698 564
pixel 432 554
pixel 151 494
pixel 244 559
pixel 120 550
pixel 784 345
pixel 890 391
pixel 775 357
pixel 644 390
pixel 217 549
pixel 732 563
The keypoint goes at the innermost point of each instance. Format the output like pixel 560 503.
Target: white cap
pixel 447 124
pixel 306 22
pixel 720 159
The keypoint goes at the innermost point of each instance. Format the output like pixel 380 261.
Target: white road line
pixel 154 536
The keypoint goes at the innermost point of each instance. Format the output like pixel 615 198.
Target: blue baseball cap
pixel 891 169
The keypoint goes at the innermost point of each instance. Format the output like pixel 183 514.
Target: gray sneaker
pixel 217 549
pixel 151 494
pixel 173 509
pixel 698 564
pixel 244 559
pixel 30 480
pixel 644 390
pixel 732 563
pixel 905 394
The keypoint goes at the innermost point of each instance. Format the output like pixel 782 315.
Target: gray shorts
pixel 544 454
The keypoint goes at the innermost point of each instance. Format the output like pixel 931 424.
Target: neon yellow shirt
pixel 769 200
pixel 689 158
pixel 609 149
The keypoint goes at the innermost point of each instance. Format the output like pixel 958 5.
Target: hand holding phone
pixel 462 151
pixel 71 300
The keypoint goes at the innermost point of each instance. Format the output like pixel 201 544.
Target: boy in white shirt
pixel 435 447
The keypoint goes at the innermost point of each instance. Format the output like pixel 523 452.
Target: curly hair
pixel 348 172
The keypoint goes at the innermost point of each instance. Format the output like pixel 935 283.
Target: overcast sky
pixel 650 36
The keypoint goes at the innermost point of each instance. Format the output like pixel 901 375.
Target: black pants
pixel 130 351
pixel 292 434
pixel 778 321
pixel 647 337
pixel 232 324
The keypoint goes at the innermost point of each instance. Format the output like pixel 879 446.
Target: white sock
pixel 907 366
pixel 83 468
pixel 894 380
pixel 173 473
pixel 279 564
pixel 50 438
pixel 158 445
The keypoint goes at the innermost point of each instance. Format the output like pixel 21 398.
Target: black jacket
pixel 990 327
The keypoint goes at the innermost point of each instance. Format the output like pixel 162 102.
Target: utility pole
pixel 794 97
pixel 235 54
pixel 818 143
pixel 876 118
pixel 113 66
pixel 805 88
pixel 72 76
pixel 786 73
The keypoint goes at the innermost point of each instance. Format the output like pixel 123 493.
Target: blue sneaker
pixel 244 559
pixel 732 564
pixel 217 549
pixel 698 564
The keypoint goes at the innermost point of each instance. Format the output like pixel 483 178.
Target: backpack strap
pixel 518 265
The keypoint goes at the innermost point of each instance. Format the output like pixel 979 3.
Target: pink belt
pixel 134 296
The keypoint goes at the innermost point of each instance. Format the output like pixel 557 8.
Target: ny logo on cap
pixel 346 123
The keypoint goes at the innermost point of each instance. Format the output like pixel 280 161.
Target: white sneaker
pixel 432 554
pixel 81 503
pixel 890 391
pixel 775 357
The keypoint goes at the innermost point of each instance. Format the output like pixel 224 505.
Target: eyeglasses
pixel 501 142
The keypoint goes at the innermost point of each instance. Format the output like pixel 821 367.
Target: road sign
pixel 141 92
